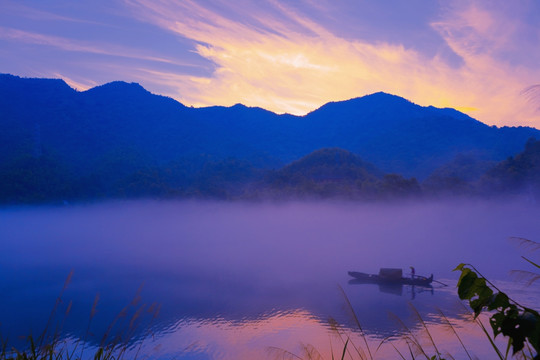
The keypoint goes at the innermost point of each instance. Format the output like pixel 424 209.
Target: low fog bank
pixel 290 241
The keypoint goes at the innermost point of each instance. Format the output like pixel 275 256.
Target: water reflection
pixel 208 318
pixel 195 326
pixel 397 289
pixel 298 331
pixel 234 281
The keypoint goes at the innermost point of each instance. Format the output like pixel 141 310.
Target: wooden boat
pixel 390 276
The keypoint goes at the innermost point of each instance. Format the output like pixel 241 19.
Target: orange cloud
pixel 289 63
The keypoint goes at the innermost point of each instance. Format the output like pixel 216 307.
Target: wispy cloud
pixel 17 8
pixel 81 46
pixel 284 61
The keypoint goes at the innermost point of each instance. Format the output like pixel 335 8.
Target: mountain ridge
pixel 386 130
pixel 123 85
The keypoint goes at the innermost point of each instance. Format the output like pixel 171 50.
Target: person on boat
pixel 413 272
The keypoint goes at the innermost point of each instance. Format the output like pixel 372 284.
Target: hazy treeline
pixel 325 173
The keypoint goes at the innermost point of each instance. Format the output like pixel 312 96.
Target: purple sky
pixel 481 57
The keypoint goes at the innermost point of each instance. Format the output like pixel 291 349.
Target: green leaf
pixel 466 284
pixel 499 301
pixel 496 322
pixel 471 286
pixel 460 267
pixel 512 328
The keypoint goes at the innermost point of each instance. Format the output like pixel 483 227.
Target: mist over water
pixel 247 262
pixel 296 239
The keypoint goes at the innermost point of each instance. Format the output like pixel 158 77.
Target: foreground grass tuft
pixel 114 344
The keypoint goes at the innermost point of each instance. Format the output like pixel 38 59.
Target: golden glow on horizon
pixel 296 71
pixel 480 57
pixel 289 63
pixel 465 109
pixel 79 86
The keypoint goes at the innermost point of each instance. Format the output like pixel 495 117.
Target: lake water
pixel 252 280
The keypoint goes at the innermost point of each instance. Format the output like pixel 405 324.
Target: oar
pixel 423 277
pixel 439 282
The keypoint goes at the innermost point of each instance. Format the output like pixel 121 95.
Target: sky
pixel 480 57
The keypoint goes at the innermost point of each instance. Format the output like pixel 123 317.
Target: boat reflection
pixel 396 288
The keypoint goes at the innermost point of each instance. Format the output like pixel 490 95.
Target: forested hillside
pixel 119 140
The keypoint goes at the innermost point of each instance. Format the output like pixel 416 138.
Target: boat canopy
pixel 389 273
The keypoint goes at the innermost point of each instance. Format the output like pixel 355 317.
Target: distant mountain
pixel 325 173
pixel 126 125
pixel 457 177
pixel 330 164
pixel 468 167
pixel 517 173
pixel 335 173
pixel 402 137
